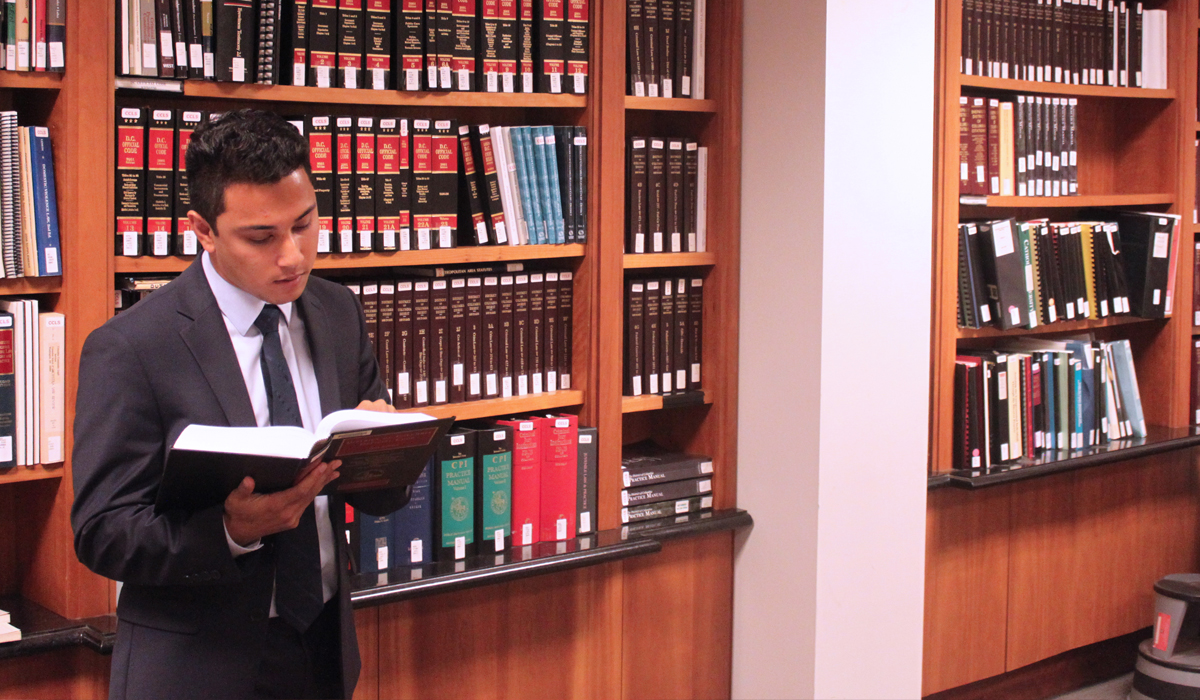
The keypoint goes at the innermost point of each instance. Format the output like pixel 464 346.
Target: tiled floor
pixel 1113 689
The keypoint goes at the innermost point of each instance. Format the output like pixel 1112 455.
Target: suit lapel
pixel 208 340
pixel 321 344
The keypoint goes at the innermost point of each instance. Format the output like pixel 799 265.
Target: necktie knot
pixel 268 319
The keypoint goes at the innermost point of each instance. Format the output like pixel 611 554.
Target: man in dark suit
pixel 249 598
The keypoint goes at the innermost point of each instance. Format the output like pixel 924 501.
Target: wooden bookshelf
pixel 38 472
pixel 30 80
pixel 30 285
pixel 637 261
pixel 348 261
pixel 675 104
pixel 636 404
pixel 491 408
pixel 384 98
pixel 1002 556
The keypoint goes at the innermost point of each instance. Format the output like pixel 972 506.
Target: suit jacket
pixel 193 618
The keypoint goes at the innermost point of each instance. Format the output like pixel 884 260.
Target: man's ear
pixel 204 233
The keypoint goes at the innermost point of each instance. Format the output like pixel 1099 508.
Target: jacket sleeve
pixel 117 464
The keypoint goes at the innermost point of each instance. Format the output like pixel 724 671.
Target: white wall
pixel 829 584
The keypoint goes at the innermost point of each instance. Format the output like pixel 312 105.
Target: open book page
pixel 357 419
pixel 283 440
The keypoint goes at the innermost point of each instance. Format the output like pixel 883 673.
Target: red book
pixel 364 184
pixel 526 480
pixel 560 459
pixel 160 181
pixel 320 160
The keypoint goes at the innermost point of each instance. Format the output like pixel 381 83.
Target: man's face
pixel 266 239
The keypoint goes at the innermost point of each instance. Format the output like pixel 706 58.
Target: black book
pixel 675 196
pixel 474 338
pixel 294 52
pixel 489 337
pixel 645 463
pixel 445 43
pixel 1147 246
pixel 483 148
pixel 470 183
pixel 319 131
pixel 666 325
pixel 466 43
pixel 457 343
pixel 351 40
pixel 691 194
pixel 431 46
pixel 388 190
pixel 682 337
pixel 444 181
pixel 685 42
pixel 160 182
pixel 410 44
pixel 270 24
pixel 422 184
pixel 637 193
pixel 165 34
pixel 666 491
pixel 179 25
pixel 454 504
pixel 192 37
pixel 378 45
pixel 131 182
pixel 587 485
pixel 635 310
pixel 537 332
pixel 521 354
pixel 1004 272
pixel 666 47
pixel 343 191
pixel 656 195
pixel 651 47
pixel 404 344
pixel 489 43
pixel 508 38
pixel 550 332
pixel 385 336
pixel 696 332
pixel 525 45
pixel 566 178
pixel 635 53
pixel 566 327
pixel 439 340
pixel 185 236
pixel 506 335
pixel 235 36
pixel 578 42
pixel 422 344
pixel 549 45
pixel 322 43
pixel 364 184
pixel 652 336
pixel 579 159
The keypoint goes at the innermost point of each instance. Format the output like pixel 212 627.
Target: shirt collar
pixel 237 305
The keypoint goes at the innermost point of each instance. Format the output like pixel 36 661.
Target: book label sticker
pixel 1002 239
pixel 498 538
pixel 704 486
pixel 1157 296
pixel 1014 315
pixel 1162 631
pixel 381 557
pixel 130 243
pixel 460 547
pixel 682 506
pixel 585 521
pixel 1002 380
pixel 560 529
pixel 527 533
pixel 1162 242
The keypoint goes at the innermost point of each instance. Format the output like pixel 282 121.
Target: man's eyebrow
pixel 307 211
pixel 269 227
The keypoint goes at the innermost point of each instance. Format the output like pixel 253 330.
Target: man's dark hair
pixel 243 146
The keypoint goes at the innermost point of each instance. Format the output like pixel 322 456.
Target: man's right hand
pixel 250 516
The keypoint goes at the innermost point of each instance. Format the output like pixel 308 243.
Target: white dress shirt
pixel 240 309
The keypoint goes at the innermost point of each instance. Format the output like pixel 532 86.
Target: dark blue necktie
pixel 298 598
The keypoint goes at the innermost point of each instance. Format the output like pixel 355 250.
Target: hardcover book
pixel 160 181
pixel 454 496
pixel 131 182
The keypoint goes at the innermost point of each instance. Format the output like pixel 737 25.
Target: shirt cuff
pixel 236 549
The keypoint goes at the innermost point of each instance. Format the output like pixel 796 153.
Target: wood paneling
pixel 966 586
pixel 366 624
pixel 678 621
pixel 553 636
pixel 78 673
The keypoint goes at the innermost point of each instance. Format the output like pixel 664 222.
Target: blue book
pixel 1128 385
pixel 374 543
pixel 45 201
pixel 525 184
pixel 535 187
pixel 553 188
pixel 1085 354
pixel 413 525
pixel 1077 403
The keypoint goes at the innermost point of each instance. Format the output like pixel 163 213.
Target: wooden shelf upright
pixel 1067 561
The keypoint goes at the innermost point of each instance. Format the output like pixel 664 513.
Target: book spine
pixel 473 338
pixel 378 44
pixel 411 44
pixel 508 38
pixel 587 484
pixel 489 44
pixel 560 463
pixel 506 366
pixel 649 511
pixel 375 540
pixel 431 46
pixel 421 362
pixel 566 178
pixel 553 187
pixel 445 182
pixel 470 189
pixel 489 351
pixel 656 194
pixel 323 43
pixel 45 202
pixel 685 40
pixel 635 52
pixel 160 167
pixel 666 47
pixel 577 46
pixel 387 185
pixel 652 336
pixel 580 162
pixel 385 338
pixel 267 54
pixel 666 346
pixel 131 183
pixel 364 184
pixel 526 481
pixel 521 353
pixel 675 195
pixel 537 332
pixel 493 489
pixel 234 39
pixel 466 42
pixel 351 40
pixel 525 45
pixel 454 486
pixel 208 38
pixel 682 337
pixel 164 35
pixel 481 138
pixel 295 53
pixel 56 34
pixel 670 491
pixel 8 395
pixel 179 36
pixel 404 342
pixel 652 46
pixel 566 326
pixel 343 181
pixel 445 43
pixel 635 309
pixel 457 340
pixel 439 341
pixel 550 331
pixel 550 51
pixel 321 161
pixel 413 523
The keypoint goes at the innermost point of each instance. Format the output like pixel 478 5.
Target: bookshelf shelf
pixel 31 285
pixel 1058 327
pixel 664 104
pixel 1029 86
pixel 289 93
pixel 636 404
pixel 502 407
pixel 16 475
pixel 1078 202
pixel 30 79
pixel 347 261
pixel 634 261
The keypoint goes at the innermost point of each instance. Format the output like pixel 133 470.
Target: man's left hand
pixel 376 405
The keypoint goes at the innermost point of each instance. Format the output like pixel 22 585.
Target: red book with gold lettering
pixel 526 480
pixel 560 460
pixel 160 181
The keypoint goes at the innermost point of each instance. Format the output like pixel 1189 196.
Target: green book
pixel 493 488
pixel 454 496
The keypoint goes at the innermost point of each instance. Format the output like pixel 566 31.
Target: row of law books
pixel 454 335
pixel 492 485
pixel 659 483
pixel 1032 273
pixel 32 384
pixel 463 45
pixel 666 196
pixel 664 335
pixel 1030 398
pixel 1115 43
pixel 381 184
pixel 29 241
pixel 33 35
pixel 665 47
pixel 1026 148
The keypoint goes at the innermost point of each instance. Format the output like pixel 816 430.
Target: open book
pixel 378 451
